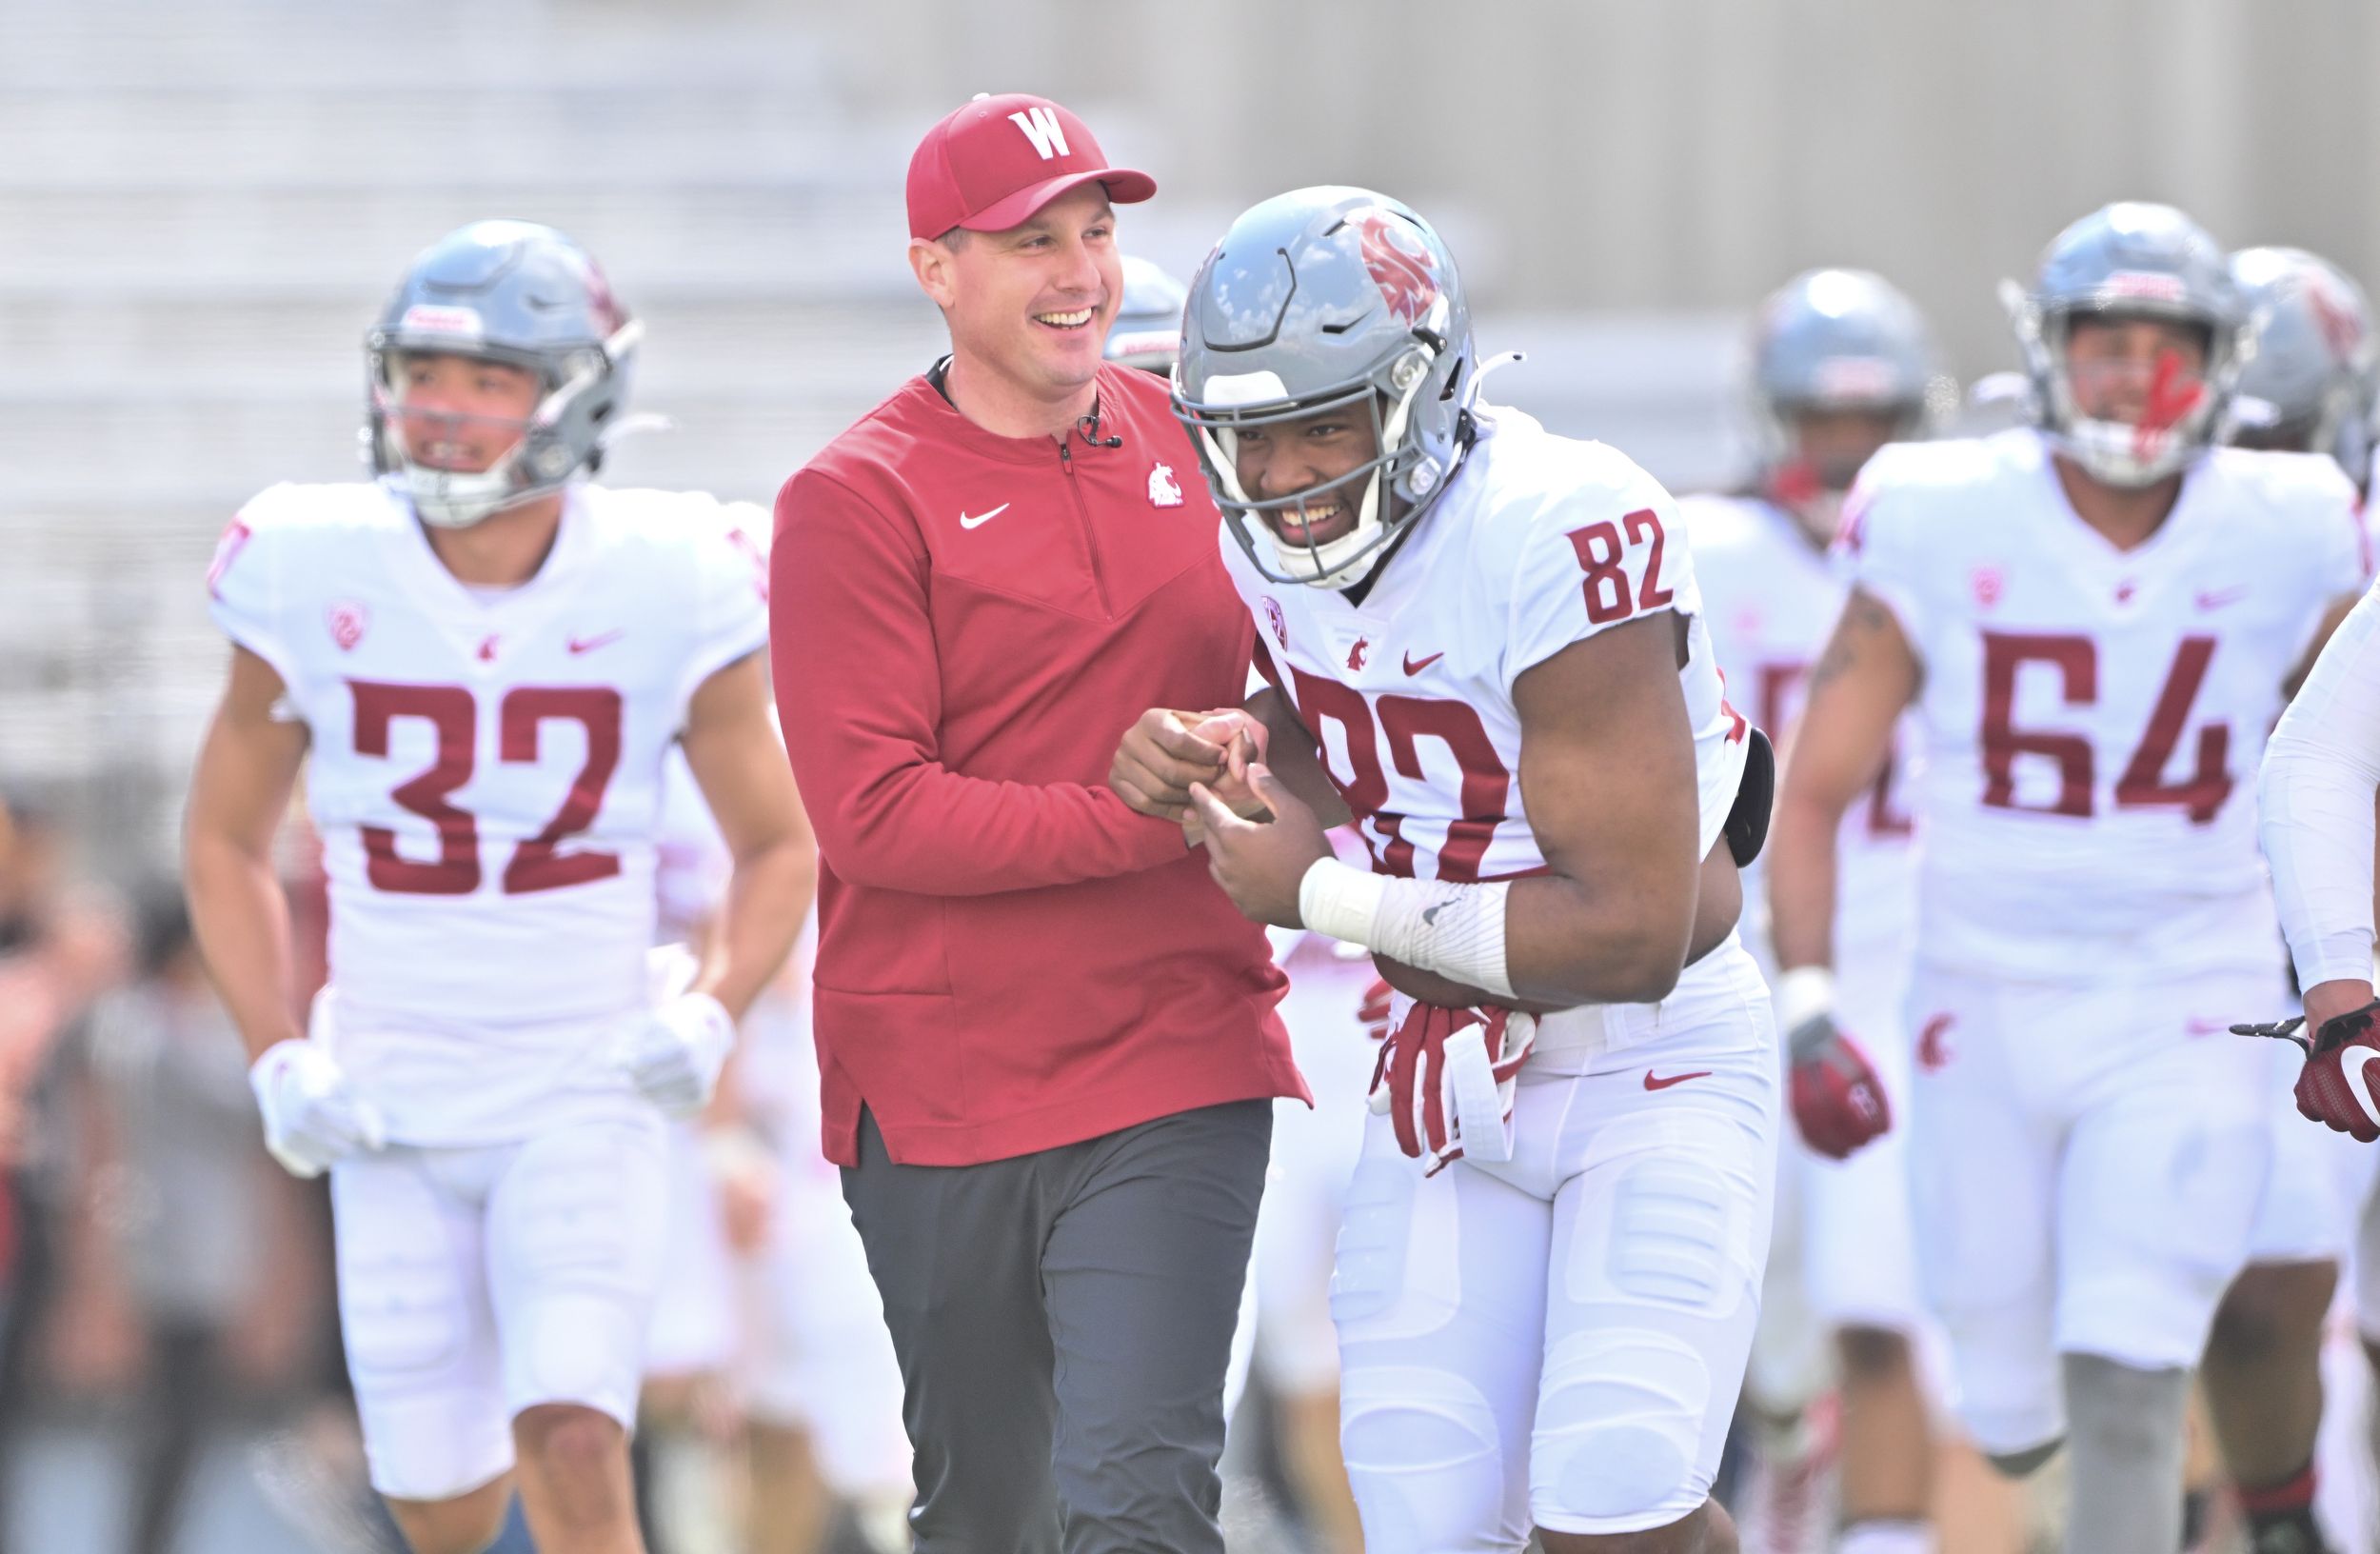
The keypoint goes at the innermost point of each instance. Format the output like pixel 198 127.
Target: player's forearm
pixel 241 920
pixel 1540 943
pixel 1802 834
pixel 2318 834
pixel 2315 802
pixel 761 912
pixel 1566 944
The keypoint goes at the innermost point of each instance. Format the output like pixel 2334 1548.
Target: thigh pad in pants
pixel 575 1239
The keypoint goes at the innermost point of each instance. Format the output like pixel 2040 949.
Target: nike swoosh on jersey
pixel 1411 667
pixel 983 518
pixel 2218 599
pixel 1652 1083
pixel 587 644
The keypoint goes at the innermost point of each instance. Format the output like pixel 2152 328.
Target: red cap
pixel 991 164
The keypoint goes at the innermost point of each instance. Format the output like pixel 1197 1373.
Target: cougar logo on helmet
pixel 1400 267
pixel 2342 329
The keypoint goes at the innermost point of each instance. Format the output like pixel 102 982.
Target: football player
pixel 1285 1325
pixel 487 656
pixel 764 1250
pixel 2096 620
pixel 1485 644
pixel 2307 390
pixel 2312 384
pixel 1840 366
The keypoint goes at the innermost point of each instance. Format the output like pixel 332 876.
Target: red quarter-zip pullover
pixel 962 625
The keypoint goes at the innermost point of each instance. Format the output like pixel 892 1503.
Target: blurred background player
pixel 1147 330
pixel 1840 366
pixel 2310 386
pixel 2308 389
pixel 2096 621
pixel 781 1335
pixel 192 1224
pixel 1285 1336
pixel 59 950
pixel 722 1186
pixel 487 658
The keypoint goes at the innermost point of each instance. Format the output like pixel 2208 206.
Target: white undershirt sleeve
pixel 2316 796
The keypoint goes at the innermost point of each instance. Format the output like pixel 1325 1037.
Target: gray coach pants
pixel 1062 1321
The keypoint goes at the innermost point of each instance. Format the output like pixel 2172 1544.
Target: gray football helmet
pixel 1831 340
pixel 1147 332
pixel 2310 385
pixel 2132 260
pixel 525 295
pixel 1840 339
pixel 1318 299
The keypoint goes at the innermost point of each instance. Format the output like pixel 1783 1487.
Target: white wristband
pixel 1455 929
pixel 1341 900
pixel 1802 995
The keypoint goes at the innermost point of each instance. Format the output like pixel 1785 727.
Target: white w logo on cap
pixel 1040 127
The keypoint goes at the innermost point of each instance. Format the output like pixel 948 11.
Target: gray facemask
pixel 527 296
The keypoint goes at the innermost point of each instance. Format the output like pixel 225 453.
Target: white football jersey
pixel 1772 598
pixel 486 773
pixel 1536 543
pixel 2093 717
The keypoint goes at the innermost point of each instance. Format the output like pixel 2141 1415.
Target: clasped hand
pixel 1206 771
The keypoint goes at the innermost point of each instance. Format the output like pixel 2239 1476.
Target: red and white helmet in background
pixel 1147 332
pixel 2310 386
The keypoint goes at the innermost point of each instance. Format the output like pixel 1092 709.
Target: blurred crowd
pixel 158 1278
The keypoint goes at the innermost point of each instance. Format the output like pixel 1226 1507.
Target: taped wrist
pixel 1805 1009
pixel 1456 930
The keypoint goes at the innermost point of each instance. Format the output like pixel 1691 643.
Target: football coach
pixel 1046 1040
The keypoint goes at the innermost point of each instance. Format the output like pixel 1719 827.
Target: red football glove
pixel 1373 1011
pixel 2335 1086
pixel 1838 1100
pixel 1446 1078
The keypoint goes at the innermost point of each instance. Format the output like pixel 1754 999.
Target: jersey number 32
pixel 537 864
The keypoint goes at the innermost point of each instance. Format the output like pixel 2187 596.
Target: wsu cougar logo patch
pixel 1165 491
pixel 2342 332
pixel 348 621
pixel 1274 618
pixel 1933 1044
pixel 1400 263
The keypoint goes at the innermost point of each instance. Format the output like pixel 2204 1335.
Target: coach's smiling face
pixel 1032 304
